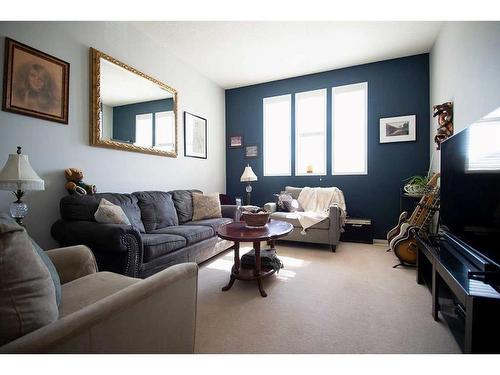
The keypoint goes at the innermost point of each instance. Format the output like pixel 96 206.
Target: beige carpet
pixel 350 301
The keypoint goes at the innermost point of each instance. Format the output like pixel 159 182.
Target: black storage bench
pixel 357 230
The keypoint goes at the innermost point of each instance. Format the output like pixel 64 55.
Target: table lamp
pixel 247 177
pixel 18 176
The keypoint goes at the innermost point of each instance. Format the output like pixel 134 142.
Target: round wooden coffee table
pixel 238 232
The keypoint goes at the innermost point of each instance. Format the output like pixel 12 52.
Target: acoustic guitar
pixel 402 222
pixel 404 244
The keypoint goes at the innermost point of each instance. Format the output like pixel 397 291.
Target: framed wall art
pixel 195 136
pixel 35 84
pixel 235 141
pixel 398 129
pixel 251 151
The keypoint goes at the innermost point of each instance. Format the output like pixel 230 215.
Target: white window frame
pixel 325 94
pixel 344 88
pixel 268 100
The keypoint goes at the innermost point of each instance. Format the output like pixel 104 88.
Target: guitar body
pixel 405 248
pixel 402 240
pixel 396 230
pixel 403 233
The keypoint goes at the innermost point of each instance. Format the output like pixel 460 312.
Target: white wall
pixel 465 69
pixel 52 147
pixel 107 121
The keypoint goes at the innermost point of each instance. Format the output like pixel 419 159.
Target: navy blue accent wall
pixel 124 116
pixel 395 88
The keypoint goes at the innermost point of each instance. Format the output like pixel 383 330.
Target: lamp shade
pixel 17 174
pixel 248 175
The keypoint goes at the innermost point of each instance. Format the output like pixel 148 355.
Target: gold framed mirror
pixel 130 110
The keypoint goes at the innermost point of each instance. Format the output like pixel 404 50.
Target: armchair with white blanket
pixel 321 218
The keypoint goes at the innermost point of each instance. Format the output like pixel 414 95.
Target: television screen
pixel 470 186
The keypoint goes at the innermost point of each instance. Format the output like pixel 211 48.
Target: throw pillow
pixel 292 205
pixel 27 294
pixel 206 206
pixel 52 269
pixel 109 213
pixel 282 200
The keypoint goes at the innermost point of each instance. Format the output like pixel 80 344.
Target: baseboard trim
pixel 380 242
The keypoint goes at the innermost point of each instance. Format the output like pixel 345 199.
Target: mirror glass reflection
pixel 135 110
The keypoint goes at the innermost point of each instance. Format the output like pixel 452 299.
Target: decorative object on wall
pixel 114 85
pixel 195 136
pixel 251 152
pixel 18 176
pixel 248 176
pixel 398 129
pixel 75 184
pixel 444 113
pixel 35 84
pixel 235 141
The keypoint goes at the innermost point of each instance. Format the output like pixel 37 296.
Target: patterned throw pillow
pixel 109 213
pixel 206 206
pixel 292 205
pixel 283 200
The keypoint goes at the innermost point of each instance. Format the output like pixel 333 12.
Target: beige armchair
pixel 104 312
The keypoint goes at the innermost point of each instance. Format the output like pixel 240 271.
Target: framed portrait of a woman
pixel 35 84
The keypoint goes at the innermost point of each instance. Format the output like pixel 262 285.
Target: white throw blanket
pixel 316 204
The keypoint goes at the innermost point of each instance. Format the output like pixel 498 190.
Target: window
pixel 349 124
pixel 483 146
pixel 164 131
pixel 277 135
pixel 144 130
pixel 310 132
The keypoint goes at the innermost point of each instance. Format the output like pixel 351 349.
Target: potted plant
pixel 416 185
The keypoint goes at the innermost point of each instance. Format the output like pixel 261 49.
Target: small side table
pixel 238 232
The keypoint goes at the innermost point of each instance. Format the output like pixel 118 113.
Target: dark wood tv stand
pixel 471 308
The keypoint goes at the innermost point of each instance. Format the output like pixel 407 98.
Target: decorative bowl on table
pixel 255 217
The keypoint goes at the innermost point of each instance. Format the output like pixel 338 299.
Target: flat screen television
pixel 470 188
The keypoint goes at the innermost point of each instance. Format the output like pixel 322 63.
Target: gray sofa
pixel 161 233
pixel 325 232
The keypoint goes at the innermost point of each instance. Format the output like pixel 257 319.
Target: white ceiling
pixel 120 87
pixel 234 54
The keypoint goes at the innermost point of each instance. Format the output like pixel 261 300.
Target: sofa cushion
pixel 290 217
pixel 89 289
pixel 157 209
pixel 192 233
pixel 156 245
pixel 183 201
pixel 83 207
pixel 27 293
pixel 215 224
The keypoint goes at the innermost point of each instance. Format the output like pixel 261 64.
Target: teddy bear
pixel 75 185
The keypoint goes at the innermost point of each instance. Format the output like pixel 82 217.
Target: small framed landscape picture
pixel 235 141
pixel 398 129
pixel 195 136
pixel 251 152
pixel 35 84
